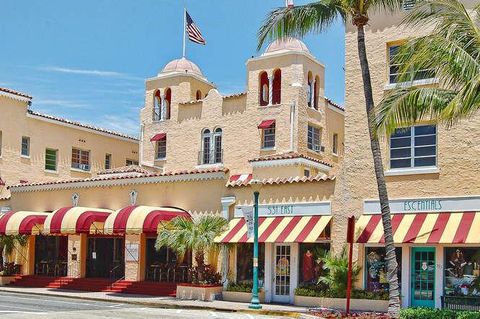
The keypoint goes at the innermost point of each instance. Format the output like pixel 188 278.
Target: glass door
pixel 282 271
pixel 423 277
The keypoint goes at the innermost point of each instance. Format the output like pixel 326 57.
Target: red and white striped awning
pixel 22 223
pixel 141 219
pixel 422 228
pixel 282 229
pixel 76 220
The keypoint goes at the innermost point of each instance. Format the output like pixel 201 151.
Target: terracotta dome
pixel 182 65
pixel 287 44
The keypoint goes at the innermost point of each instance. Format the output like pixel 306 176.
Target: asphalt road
pixel 13 305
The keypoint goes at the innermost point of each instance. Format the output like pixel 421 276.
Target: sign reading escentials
pixel 426 205
pixel 289 209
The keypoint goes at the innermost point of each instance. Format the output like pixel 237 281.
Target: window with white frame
pixel 80 159
pixel 108 161
pixel 408 4
pixel 395 67
pixel 161 149
pixel 314 138
pixel 268 137
pixel 25 146
pixel 212 152
pixel 335 144
pixel 51 159
pixel 413 147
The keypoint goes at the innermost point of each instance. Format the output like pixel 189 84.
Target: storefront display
pixel 462 271
pixel 245 263
pixel 311 262
pixel 376 268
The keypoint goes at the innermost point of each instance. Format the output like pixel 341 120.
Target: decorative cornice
pixel 289 159
pixel 15 95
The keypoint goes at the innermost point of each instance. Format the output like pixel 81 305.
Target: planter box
pixel 339 303
pixel 192 292
pixel 241 296
pixel 5 280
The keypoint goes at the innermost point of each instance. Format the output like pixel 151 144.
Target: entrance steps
pixel 97 284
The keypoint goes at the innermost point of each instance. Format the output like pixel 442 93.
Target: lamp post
pixel 255 302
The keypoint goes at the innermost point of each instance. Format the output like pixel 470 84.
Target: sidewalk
pixel 165 302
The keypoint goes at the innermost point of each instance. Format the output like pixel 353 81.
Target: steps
pixel 97 284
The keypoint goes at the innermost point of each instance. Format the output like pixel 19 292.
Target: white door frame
pixel 272 272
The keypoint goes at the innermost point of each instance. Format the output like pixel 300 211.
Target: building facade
pixel 432 178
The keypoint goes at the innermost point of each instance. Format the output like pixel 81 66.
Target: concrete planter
pixel 193 292
pixel 339 303
pixel 5 280
pixel 241 296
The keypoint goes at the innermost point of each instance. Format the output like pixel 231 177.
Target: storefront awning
pixel 282 229
pixel 141 219
pixel 266 124
pixel 76 220
pixel 158 137
pixel 422 228
pixel 22 223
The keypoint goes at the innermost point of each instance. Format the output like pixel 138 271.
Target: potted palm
pixel 196 235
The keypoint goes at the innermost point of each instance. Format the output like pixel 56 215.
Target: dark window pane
pixel 402 132
pixel 400 142
pixel 425 161
pixel 425 151
pixel 400 163
pixel 425 140
pixel 425 129
pixel 400 152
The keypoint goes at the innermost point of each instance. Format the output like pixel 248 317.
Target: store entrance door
pixel 423 277
pixel 105 257
pixel 282 274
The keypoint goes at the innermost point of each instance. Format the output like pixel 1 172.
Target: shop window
pixel 313 139
pixel 414 147
pixel 25 146
pixel 376 268
pixel 80 159
pixel 51 159
pixel 311 262
pixel 263 89
pixel 395 68
pixel 245 263
pixel 462 271
pixel 277 87
pixel 157 105
pixel 108 161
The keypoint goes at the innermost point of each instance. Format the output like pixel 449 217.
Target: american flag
pixel 194 33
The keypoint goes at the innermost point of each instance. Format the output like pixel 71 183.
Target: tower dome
pixel 286 44
pixel 182 65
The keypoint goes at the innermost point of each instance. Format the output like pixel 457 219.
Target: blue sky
pixel 87 60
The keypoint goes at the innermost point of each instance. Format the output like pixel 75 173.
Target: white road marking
pixel 26 312
pixel 59 301
pixel 249 316
pixel 178 311
pixel 213 314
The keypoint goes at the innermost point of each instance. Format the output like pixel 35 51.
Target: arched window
pixel 198 95
pixel 263 88
pixel 157 105
pixel 277 87
pixel 168 102
pixel 217 140
pixel 315 92
pixel 206 141
pixel 309 89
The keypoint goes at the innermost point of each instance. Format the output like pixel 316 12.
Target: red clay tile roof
pixel 228 96
pixel 278 180
pixel 5 198
pixel 124 169
pixel 88 126
pixel 338 106
pixel 288 155
pixel 121 177
pixel 15 92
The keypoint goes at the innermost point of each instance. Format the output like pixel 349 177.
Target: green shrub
pixel 469 315
pixel 322 291
pixel 428 313
pixel 241 287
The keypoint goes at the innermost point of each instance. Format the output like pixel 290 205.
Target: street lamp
pixel 255 302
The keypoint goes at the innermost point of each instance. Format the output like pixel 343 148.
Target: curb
pixel 164 305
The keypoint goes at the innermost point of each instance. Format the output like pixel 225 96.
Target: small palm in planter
pixel 198 234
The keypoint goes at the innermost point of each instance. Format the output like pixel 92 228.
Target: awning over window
pixel 158 137
pixel 141 219
pixel 266 124
pixel 422 228
pixel 282 229
pixel 22 223
pixel 76 220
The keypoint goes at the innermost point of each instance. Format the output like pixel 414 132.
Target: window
pixel 198 95
pixel 414 147
pixel 335 144
pixel 462 269
pixel 263 89
pixel 212 152
pixel 268 137
pixel 310 89
pixel 168 102
pixel 395 68
pixel 306 172
pixel 157 105
pixel 50 159
pixel 376 268
pixel 217 147
pixel 108 161
pixel 206 147
pixel 408 4
pixel 161 149
pixel 313 139
pixel 25 146
pixel 315 92
pixel 311 262
pixel 130 162
pixel 277 87
pixel 244 263
pixel 80 159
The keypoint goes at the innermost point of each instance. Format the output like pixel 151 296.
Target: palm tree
pixel 297 21
pixel 197 235
pixel 452 53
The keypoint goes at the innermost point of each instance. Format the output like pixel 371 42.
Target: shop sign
pixel 288 209
pixel 435 204
pixel 248 215
pixel 131 252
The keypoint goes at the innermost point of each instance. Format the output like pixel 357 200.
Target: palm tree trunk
pixel 390 257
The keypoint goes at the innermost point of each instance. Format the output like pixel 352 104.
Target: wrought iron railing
pixel 210 157
pixel 461 302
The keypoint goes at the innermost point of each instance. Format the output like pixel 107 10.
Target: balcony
pixel 211 157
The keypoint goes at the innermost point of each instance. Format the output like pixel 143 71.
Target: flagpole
pixel 184 29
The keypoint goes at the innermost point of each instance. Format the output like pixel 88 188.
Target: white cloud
pixel 122 124
pixel 88 72
pixel 59 102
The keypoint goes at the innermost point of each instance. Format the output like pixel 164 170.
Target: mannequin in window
pixel 308 270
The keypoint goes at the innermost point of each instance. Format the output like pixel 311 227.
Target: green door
pixel 423 277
